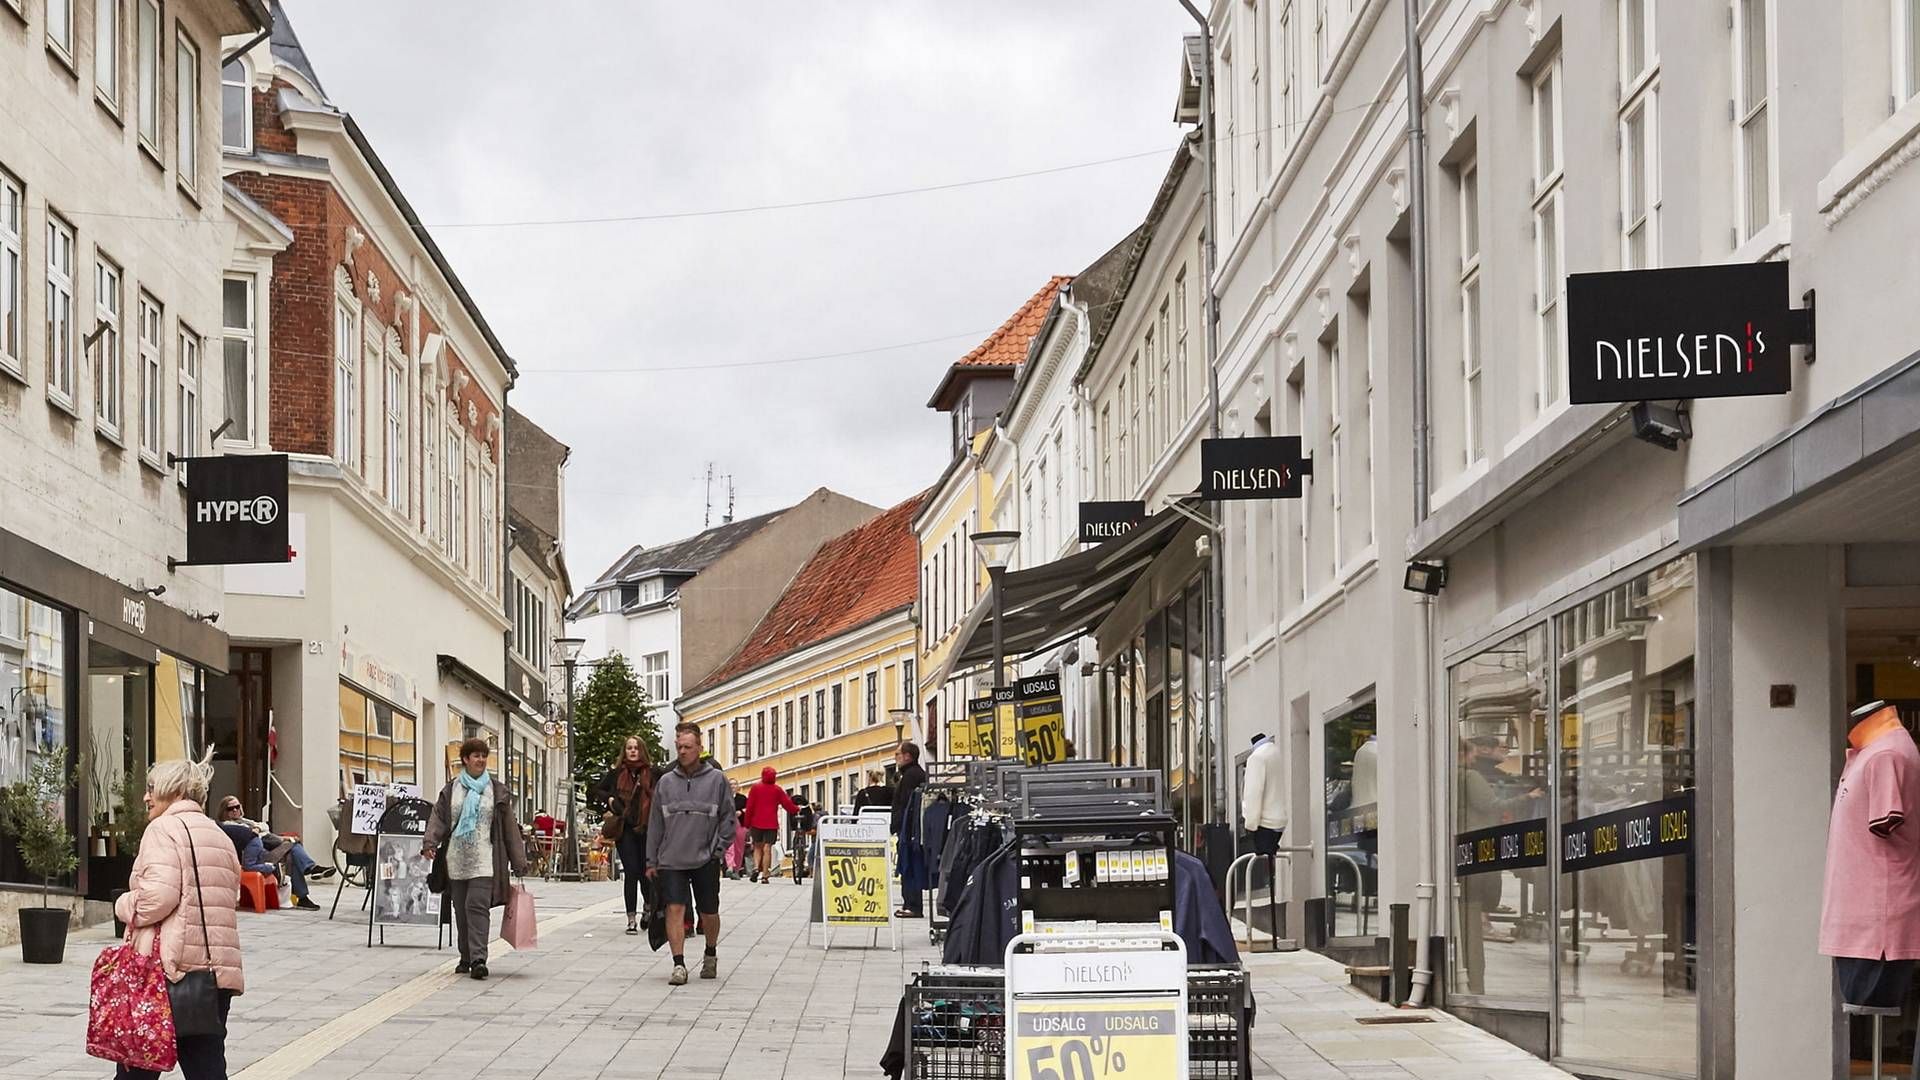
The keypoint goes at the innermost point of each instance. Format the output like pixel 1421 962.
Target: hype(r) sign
pixel 1685 332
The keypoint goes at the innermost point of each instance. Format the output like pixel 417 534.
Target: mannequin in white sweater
pixel 1263 795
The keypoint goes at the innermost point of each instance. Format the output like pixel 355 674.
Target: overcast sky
pixel 487 114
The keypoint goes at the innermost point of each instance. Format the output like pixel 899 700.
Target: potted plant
pixel 33 813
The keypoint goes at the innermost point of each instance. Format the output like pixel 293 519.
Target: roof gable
pixel 1004 349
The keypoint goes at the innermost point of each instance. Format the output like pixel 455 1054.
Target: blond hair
pixel 181 778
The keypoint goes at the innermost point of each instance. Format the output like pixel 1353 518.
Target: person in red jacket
pixel 765 800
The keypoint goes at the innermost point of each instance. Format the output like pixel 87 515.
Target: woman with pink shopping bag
pixel 474 842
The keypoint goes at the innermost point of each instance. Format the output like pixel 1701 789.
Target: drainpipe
pixel 1209 323
pixel 1426 889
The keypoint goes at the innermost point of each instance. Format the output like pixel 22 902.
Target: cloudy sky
pixel 503 127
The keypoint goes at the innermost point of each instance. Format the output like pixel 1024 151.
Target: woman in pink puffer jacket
pixel 195 922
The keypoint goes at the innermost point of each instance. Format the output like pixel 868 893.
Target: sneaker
pixel 709 967
pixel 479 972
pixel 632 926
pixel 320 873
pixel 306 904
pixel 462 968
pixel 679 976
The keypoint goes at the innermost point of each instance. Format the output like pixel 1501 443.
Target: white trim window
pixel 1290 88
pixel 1752 78
pixel 109 365
pixel 1170 422
pixel 146 71
pixel 106 51
pixel 152 428
pixel 1639 137
pixel 653 678
pixel 187 407
pixel 236 107
pixel 429 459
pixel 13 285
pixel 1296 421
pixel 489 542
pixel 238 356
pixel 1322 42
pixel 60 26
pixel 456 495
pixel 1906 51
pixel 1262 102
pixel 1151 416
pixel 1473 438
pixel 1180 341
pixel 1141 458
pixel 346 386
pixel 396 432
pixel 61 344
pixel 186 140
pixel 1549 234
pixel 1332 388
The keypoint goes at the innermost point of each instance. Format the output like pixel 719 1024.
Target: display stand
pixel 398 892
pixel 855 884
pixel 1879 1014
pixel 1097 1005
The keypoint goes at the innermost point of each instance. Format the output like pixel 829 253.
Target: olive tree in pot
pixel 33 813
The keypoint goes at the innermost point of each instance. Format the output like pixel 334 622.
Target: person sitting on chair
pixel 253 856
pixel 278 848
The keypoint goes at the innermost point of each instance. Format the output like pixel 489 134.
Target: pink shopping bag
pixel 517 926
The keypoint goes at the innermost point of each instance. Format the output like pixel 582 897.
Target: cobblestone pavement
pixel 592 1002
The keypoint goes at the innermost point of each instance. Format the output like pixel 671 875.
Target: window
pixel 186 74
pixel 738 750
pixel 396 456
pixel 60 26
pixel 13 295
pixel 1639 137
pixel 1471 441
pixel 106 50
pixel 1752 76
pixel 1180 339
pixel 146 64
pixel 187 408
pixel 653 676
pixel 1906 51
pixel 1289 61
pixel 151 443
pixel 429 463
pixel 873 698
pixel 456 503
pixel 1548 213
pixel 376 741
pixel 346 387
pixel 760 732
pixel 806 731
pixel 839 707
pixel 1170 421
pixel 1153 404
pixel 1332 388
pixel 789 742
pixel 1138 463
pixel 820 714
pixel 1126 460
pixel 236 107
pixel 908 691
pixel 61 343
pixel 237 356
pixel 1322 41
pixel 1262 114
pixel 109 378
pixel 484 493
pixel 1106 451
pixel 1296 420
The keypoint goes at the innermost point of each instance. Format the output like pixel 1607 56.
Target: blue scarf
pixel 476 794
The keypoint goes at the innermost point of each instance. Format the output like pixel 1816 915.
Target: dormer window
pixel 236 108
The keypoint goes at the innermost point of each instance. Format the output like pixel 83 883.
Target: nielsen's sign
pixel 1261 468
pixel 1684 332
pixel 1104 521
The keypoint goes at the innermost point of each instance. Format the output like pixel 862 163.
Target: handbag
pixel 129 1019
pixel 196 997
pixel 518 927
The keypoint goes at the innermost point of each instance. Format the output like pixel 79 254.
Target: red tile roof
pixel 1005 347
pixel 853 579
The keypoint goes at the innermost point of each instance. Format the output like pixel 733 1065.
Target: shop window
pixel 33 700
pixel 1351 751
pixel 1626 693
pixel 1501 912
pixel 376 741
pixel 119 733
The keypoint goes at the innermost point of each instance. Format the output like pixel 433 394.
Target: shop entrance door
pixel 237 721
pixel 1883 664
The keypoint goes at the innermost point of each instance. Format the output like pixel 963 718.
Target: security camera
pixel 1662 426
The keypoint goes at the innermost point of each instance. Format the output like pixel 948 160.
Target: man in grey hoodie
pixel 691 825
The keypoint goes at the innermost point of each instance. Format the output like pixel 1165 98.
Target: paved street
pixel 591 1002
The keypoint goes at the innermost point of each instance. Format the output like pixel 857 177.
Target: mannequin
pixel 1870 919
pixel 1263 795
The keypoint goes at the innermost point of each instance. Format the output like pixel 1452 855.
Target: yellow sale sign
pixel 853 874
pixel 1091 1037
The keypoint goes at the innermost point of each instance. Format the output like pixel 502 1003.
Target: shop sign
pixel 1043 729
pixel 854 875
pixel 1518 845
pixel 236 510
pixel 980 714
pixel 1096 1013
pixel 1104 521
pixel 1270 467
pixel 1648 831
pixel 376 676
pixel 959 736
pixel 1005 698
pixel 1683 332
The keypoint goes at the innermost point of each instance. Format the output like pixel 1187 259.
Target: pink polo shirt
pixel 1872 907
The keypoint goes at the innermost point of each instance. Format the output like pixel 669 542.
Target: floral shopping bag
pixel 129 1019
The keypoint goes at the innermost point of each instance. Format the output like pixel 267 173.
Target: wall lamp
pixel 1427 578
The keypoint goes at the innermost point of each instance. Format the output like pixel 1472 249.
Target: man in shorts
pixel 691 825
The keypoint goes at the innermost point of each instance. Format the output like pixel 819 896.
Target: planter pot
pixel 43 934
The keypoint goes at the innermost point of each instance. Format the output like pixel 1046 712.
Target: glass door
pixel 1352 819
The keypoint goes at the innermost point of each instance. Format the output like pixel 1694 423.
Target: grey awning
pixel 1062 599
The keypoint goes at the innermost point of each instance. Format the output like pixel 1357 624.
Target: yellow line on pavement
pixel 308 1050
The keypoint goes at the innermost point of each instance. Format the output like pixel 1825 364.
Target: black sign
pixel 406 817
pixel 1647 831
pixel 1104 521
pixel 1263 468
pixel 236 510
pixel 1518 845
pixel 1686 332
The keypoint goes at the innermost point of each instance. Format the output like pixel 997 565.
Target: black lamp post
pixel 996 549
pixel 569 650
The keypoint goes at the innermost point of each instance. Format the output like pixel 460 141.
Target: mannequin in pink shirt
pixel 1870 920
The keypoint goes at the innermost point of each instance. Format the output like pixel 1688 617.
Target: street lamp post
pixel 996 548
pixel 569 649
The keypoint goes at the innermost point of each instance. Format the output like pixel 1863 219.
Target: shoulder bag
pixel 196 997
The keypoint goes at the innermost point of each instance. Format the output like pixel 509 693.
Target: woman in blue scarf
pixel 474 830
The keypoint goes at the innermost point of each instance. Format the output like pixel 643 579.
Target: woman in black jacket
pixel 626 793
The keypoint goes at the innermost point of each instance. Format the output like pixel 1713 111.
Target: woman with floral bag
pixel 180 903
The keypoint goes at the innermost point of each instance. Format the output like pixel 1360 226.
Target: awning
pixel 1055 602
